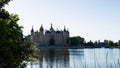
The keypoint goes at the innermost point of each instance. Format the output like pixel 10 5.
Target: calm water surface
pixel 78 58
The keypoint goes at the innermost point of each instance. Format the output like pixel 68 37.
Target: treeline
pixel 80 42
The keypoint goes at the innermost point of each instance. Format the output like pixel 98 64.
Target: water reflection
pixel 57 58
pixel 54 58
pixel 78 58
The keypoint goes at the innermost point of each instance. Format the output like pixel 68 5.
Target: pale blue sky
pixel 91 19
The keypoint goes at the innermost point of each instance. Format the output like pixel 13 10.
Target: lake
pixel 78 58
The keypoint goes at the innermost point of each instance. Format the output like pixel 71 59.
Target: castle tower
pixel 32 31
pixel 32 35
pixel 41 30
pixel 65 36
pixel 68 36
pixel 52 36
pixel 41 35
pixel 51 28
pixel 64 29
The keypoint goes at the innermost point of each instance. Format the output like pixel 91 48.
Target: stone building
pixel 50 37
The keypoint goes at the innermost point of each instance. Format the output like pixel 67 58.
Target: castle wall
pixel 59 39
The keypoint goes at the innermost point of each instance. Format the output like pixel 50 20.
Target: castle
pixel 50 37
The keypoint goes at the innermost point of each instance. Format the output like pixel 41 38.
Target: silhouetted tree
pixel 118 43
pixel 77 40
pixel 90 44
pixel 111 43
pixel 3 2
pixel 14 50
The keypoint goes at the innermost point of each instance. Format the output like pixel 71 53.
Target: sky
pixel 90 19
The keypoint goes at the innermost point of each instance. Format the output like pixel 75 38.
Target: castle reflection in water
pixel 56 58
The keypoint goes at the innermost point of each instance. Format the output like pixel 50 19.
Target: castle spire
pixel 51 28
pixel 32 30
pixel 64 28
pixel 41 28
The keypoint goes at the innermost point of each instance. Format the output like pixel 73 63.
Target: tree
pixel 14 50
pixel 77 40
pixel 111 43
pixel 90 44
pixel 3 2
pixel 74 41
pixel 118 43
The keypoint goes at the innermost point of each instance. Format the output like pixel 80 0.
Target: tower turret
pixel 32 35
pixel 32 31
pixel 41 30
pixel 64 29
pixel 51 28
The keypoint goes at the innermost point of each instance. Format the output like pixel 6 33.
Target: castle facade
pixel 50 37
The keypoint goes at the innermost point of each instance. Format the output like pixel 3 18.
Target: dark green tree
pixel 14 50
pixel 3 2
pixel 118 43
pixel 77 40
pixel 111 43
pixel 90 44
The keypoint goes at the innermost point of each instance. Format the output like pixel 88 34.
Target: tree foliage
pixel 119 43
pixel 14 50
pixel 90 44
pixel 3 2
pixel 77 40
pixel 111 43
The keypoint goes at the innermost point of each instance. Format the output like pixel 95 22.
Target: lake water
pixel 78 58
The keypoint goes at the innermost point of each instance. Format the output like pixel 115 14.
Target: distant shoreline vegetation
pixel 79 42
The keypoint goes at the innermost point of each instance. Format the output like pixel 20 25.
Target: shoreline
pixel 54 47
